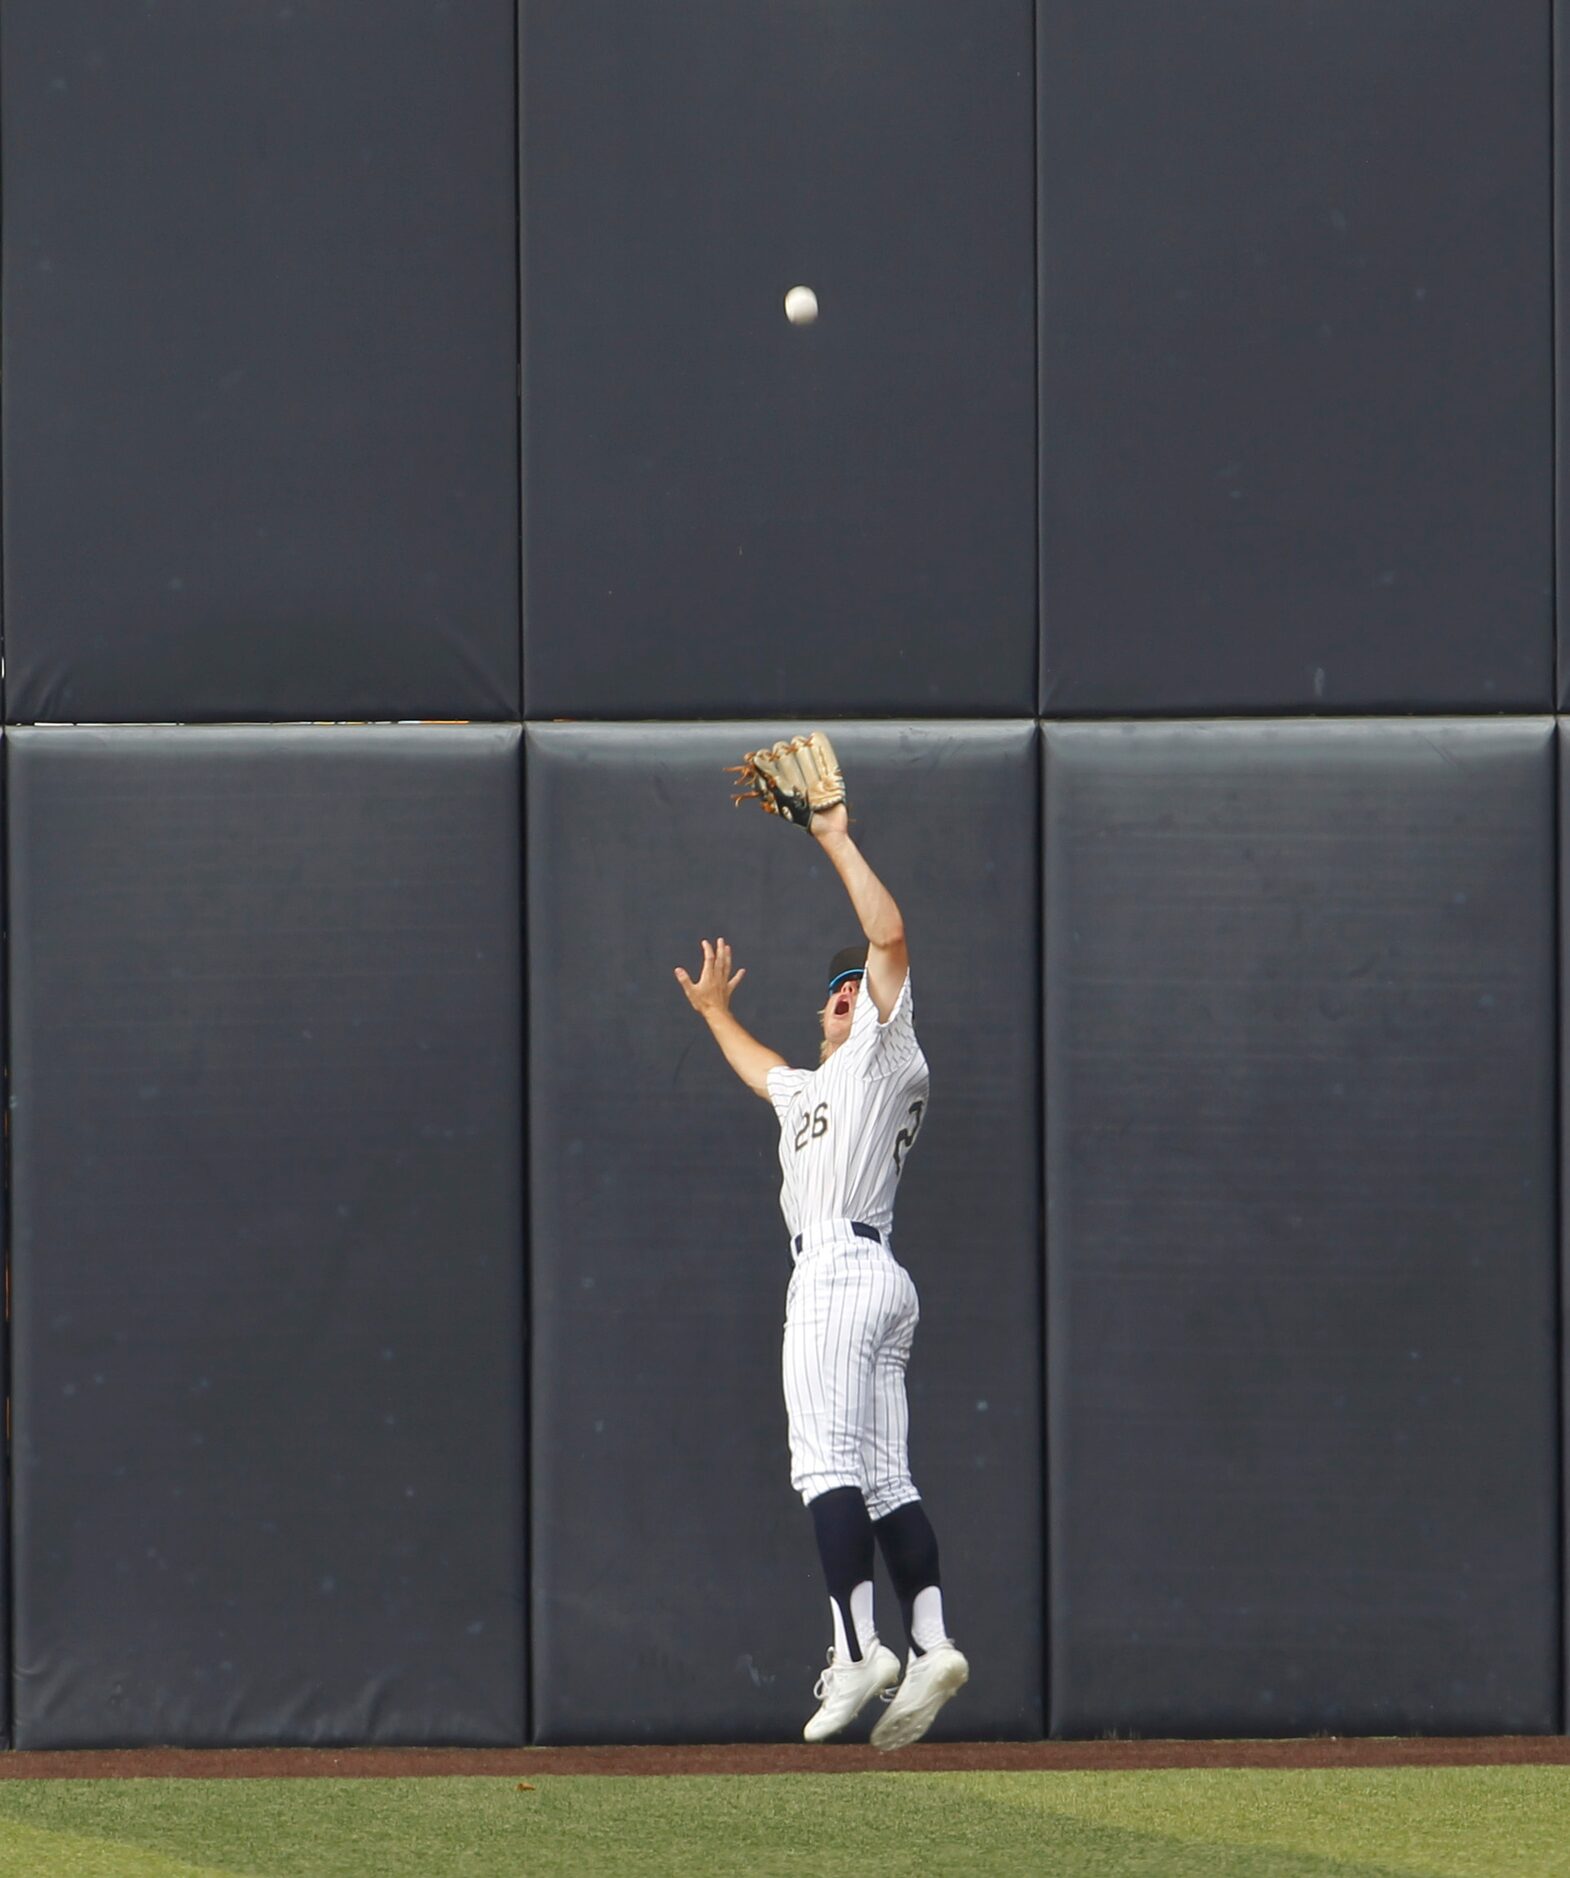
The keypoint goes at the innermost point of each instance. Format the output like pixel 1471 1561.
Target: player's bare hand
pixel 715 981
pixel 834 821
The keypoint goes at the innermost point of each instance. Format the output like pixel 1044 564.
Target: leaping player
pixel 851 1310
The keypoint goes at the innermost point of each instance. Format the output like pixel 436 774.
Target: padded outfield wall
pixel 1161 513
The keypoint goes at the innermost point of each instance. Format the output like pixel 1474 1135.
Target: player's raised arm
pixel 801 780
pixel 710 997
pixel 881 920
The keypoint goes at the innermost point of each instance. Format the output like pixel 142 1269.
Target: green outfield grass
pixel 1454 1822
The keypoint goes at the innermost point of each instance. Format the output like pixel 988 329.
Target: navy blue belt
pixel 861 1232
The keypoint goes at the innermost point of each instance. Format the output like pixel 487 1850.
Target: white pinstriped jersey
pixel 845 1126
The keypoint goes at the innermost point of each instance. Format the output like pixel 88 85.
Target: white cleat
pixel 929 1682
pixel 846 1688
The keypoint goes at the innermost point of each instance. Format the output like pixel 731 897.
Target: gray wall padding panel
pixel 5 1387
pixel 267 1317
pixel 260 437
pixel 830 519
pixel 1301 1286
pixel 1296 359
pixel 675 1585
pixel 1564 1215
pixel 1561 302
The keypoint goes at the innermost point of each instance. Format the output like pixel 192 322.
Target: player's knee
pixel 812 1486
pixel 888 1496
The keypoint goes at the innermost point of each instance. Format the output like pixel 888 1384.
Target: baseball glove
pixel 794 779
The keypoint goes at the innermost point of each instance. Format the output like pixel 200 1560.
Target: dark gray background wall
pixel 259 314
pixel 1300 1170
pixel 410 360
pixel 267 1460
pixel 1296 356
pixel 835 518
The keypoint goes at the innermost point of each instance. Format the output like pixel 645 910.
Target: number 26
pixel 814 1123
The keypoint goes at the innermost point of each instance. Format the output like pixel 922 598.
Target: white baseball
pixel 801 306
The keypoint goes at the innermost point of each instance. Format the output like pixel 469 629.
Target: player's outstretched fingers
pixel 722 965
pixel 702 993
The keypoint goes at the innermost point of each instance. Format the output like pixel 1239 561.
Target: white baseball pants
pixel 850 1317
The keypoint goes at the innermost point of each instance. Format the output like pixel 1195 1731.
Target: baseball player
pixel 851 1310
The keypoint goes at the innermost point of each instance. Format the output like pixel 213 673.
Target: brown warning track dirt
pixel 928 1757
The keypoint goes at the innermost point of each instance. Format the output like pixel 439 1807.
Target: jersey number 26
pixel 814 1123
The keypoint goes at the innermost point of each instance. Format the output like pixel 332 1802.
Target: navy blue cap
pixel 851 963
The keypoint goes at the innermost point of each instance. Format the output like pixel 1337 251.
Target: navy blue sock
pixel 910 1550
pixel 844 1529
